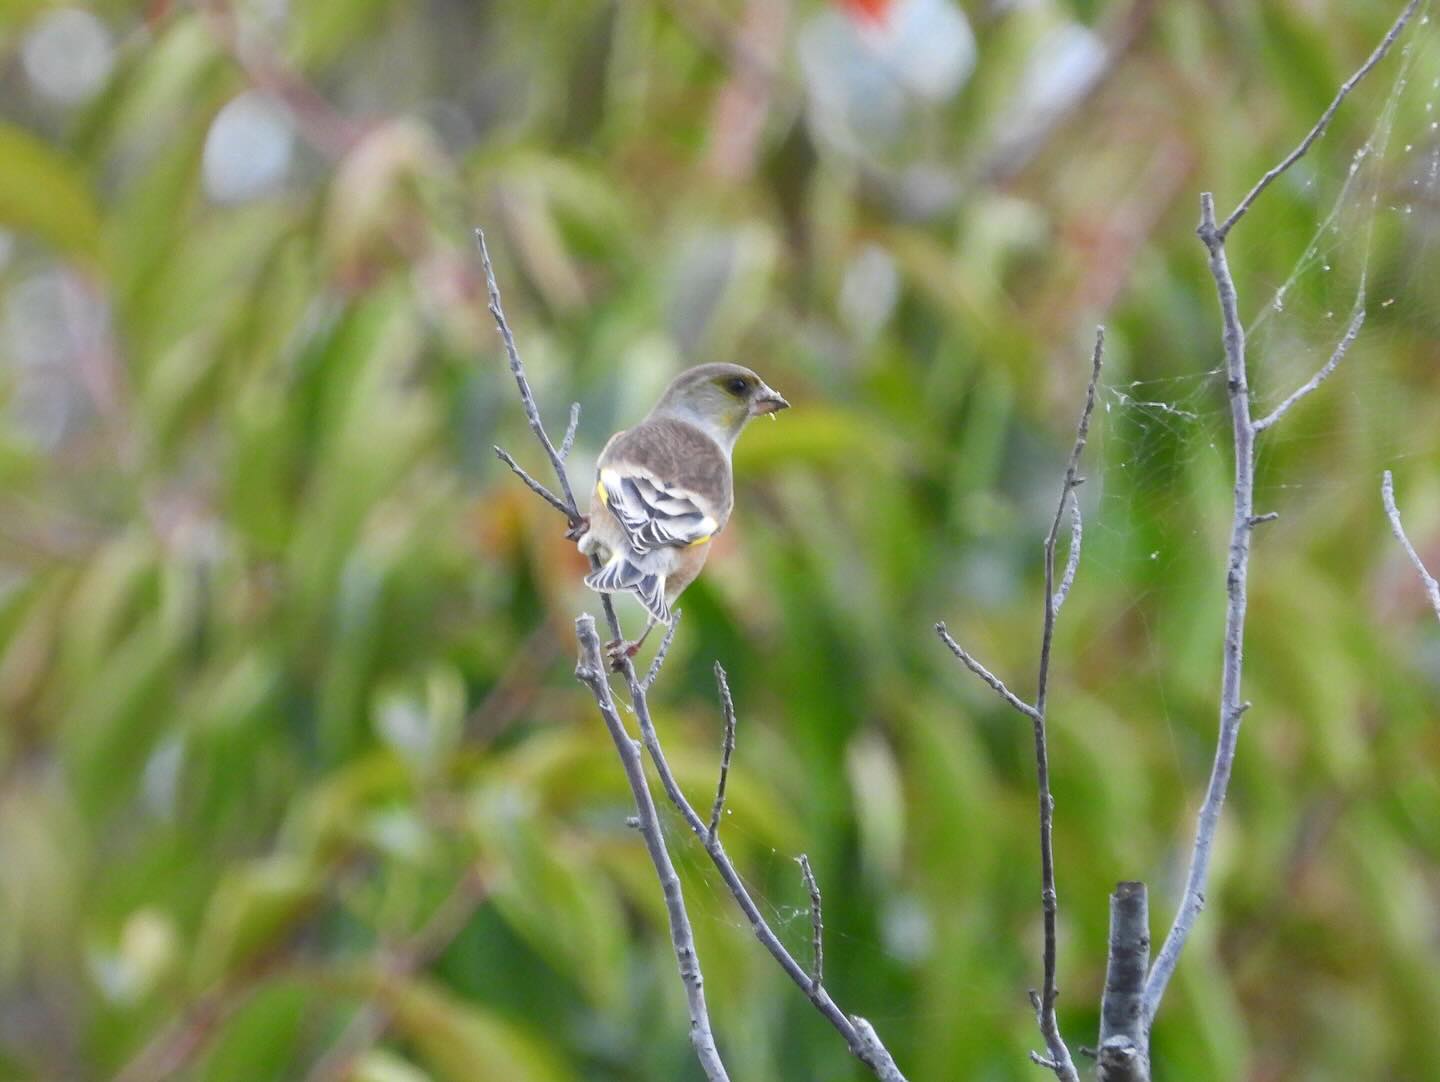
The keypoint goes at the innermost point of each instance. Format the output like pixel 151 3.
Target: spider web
pixel 1160 460
pixel 1370 246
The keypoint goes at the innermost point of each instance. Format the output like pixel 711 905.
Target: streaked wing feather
pixel 654 515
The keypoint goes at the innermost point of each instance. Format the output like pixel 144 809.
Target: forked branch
pixel 1244 519
pixel 1057 1057
pixel 858 1034
pixel 1275 173
pixel 590 671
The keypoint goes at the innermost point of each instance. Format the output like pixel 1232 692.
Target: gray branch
pixel 532 484
pixel 1061 1062
pixel 1318 130
pixel 1243 522
pixel 727 706
pixel 1124 1029
pixel 1058 1059
pixel 862 1040
pixel 983 673
pixel 1432 588
pixel 1072 557
pixel 569 441
pixel 590 671
pixel 858 1034
pixel 659 658
pixel 817 924
pixel 527 396
pixel 1341 348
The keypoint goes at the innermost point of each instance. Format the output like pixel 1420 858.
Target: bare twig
pixel 1063 1065
pixel 1223 230
pixel 527 397
pixel 1237 573
pixel 1059 1059
pixel 861 1039
pixel 1072 558
pixel 569 441
pixel 590 671
pixel 817 924
pixel 858 1034
pixel 1244 520
pixel 727 705
pixel 982 672
pixel 659 658
pixel 1124 1033
pixel 1341 348
pixel 1432 588
pixel 532 484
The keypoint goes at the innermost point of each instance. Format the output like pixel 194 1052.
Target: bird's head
pixel 721 397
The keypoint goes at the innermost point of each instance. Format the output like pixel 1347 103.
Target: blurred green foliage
pixel 284 651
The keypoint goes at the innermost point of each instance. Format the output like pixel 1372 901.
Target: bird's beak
pixel 767 401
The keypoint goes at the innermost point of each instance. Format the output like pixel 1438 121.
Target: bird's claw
pixel 619 651
pixel 579 529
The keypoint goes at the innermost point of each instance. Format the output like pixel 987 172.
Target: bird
pixel 664 489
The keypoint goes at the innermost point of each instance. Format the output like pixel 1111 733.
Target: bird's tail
pixel 620 574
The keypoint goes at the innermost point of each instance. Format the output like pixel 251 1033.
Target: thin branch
pixel 527 397
pixel 1432 588
pixel 1231 708
pixel 1320 125
pixel 1341 348
pixel 1072 558
pixel 1059 1059
pixel 1243 523
pixel 817 924
pixel 983 673
pixel 590 671
pixel 659 658
pixel 1063 1065
pixel 532 484
pixel 569 441
pixel 727 705
pixel 858 1034
pixel 1124 1033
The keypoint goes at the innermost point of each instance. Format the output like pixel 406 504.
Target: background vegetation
pixel 284 651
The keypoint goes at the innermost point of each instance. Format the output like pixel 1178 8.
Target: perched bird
pixel 663 488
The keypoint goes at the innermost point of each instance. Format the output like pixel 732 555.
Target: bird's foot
pixel 620 651
pixel 579 530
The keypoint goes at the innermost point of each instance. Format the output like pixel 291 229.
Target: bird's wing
pixel 652 513
pixel 667 483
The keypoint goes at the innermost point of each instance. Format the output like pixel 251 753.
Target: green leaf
pixel 44 194
pixel 251 910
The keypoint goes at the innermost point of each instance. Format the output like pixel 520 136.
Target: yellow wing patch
pixel 700 541
pixel 600 491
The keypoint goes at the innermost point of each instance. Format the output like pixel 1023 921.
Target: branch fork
pixel 859 1036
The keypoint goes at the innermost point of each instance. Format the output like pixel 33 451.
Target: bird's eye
pixel 736 386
